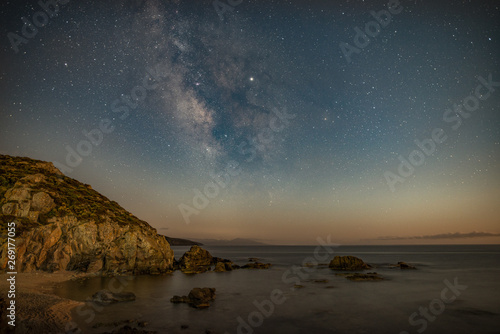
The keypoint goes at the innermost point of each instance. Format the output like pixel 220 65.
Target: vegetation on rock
pixel 63 224
pixel 348 263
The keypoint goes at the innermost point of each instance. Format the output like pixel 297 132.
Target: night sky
pixel 280 121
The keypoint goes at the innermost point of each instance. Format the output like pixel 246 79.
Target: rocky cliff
pixel 62 224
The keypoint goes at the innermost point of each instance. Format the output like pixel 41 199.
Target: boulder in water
pixel 403 265
pixel 348 263
pixel 256 265
pixel 195 260
pixel 197 297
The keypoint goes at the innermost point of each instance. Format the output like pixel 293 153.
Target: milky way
pixel 274 120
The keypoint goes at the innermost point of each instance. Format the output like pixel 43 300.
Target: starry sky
pixel 279 121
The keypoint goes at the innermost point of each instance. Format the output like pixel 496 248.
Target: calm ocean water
pixel 244 304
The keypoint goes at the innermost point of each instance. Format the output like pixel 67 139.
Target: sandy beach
pixel 38 309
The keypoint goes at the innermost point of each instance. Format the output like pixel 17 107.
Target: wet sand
pixel 38 309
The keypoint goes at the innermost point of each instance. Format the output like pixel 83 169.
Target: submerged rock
pixel 362 277
pixel 179 299
pixel 201 297
pixel 256 265
pixel 104 297
pixel 403 265
pixel 348 263
pixel 197 298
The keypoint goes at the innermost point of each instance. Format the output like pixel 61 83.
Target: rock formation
pixel 62 224
pixel 348 263
pixel 198 260
pixel 197 298
pixel 195 260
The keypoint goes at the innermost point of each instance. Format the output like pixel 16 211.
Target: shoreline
pixel 38 308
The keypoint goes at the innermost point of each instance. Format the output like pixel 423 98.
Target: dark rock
pixel 197 297
pixel 403 265
pixel 222 265
pixel 362 277
pixel 256 265
pixel 201 297
pixel 253 259
pixel 179 299
pixel 184 326
pixel 105 297
pixel 348 263
pixel 298 286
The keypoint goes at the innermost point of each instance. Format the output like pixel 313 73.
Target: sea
pixel 455 289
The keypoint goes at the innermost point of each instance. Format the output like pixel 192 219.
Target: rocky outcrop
pixel 198 260
pixel 105 297
pixel 62 224
pixel 348 263
pixel 197 298
pixel 195 260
